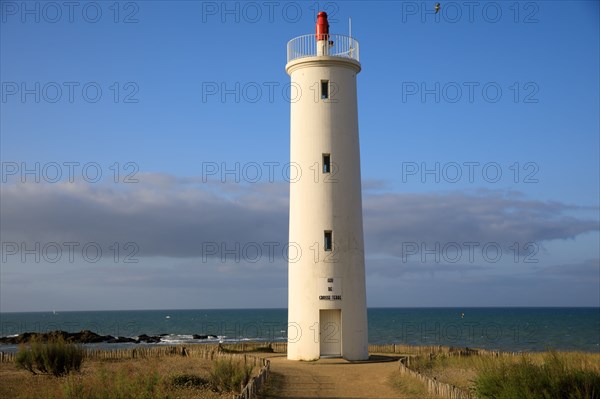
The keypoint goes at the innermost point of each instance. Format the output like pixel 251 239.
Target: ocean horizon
pixel 494 328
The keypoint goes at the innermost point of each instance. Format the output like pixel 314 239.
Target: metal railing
pixel 306 46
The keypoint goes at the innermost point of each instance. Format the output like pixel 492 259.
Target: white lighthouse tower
pixel 327 312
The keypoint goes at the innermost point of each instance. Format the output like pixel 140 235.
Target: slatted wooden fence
pixel 205 350
pixel 254 385
pixel 434 386
pixel 437 349
pixel 7 357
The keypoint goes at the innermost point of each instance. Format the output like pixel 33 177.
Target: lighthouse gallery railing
pixel 306 46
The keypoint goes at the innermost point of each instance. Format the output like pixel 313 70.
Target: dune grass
pixel 230 375
pixel 570 375
pixel 409 387
pixel 54 357
pixel 120 383
pixel 173 377
pixel 555 377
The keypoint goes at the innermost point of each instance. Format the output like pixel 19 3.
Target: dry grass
pixel 271 389
pixel 177 377
pixel 463 370
pixel 120 377
pixel 409 387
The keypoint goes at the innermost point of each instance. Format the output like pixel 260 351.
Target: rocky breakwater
pixel 81 337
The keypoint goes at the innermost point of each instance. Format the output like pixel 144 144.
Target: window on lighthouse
pixel 328 245
pixel 324 89
pixel 326 163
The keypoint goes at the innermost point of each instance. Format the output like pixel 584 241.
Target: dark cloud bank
pixel 173 217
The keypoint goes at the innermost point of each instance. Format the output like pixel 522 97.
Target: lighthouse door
pixel 330 329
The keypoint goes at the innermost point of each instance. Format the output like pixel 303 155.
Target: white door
pixel 330 325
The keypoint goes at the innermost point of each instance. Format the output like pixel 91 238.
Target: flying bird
pixel 437 7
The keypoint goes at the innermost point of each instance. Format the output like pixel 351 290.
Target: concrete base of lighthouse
pixel 326 337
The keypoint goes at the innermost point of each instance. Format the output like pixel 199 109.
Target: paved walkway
pixel 335 378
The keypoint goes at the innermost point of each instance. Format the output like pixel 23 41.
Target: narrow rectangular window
pixel 328 240
pixel 326 163
pixel 324 89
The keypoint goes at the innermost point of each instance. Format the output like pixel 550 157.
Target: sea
pixel 505 329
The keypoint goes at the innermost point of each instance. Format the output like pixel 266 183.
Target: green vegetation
pixel 186 380
pixel 122 384
pixel 272 388
pixel 229 374
pixel 165 377
pixel 248 349
pixel 409 386
pixel 525 379
pixel 566 375
pixel 53 357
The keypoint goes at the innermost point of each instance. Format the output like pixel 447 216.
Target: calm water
pixel 510 329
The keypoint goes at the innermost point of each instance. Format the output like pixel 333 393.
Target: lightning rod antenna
pixel 350 26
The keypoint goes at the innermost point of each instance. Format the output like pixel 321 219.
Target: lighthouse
pixel 327 311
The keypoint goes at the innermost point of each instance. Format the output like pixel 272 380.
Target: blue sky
pixel 498 100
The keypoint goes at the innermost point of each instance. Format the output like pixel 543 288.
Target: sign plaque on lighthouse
pixel 327 312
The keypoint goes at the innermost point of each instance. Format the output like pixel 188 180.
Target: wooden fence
pixel 409 349
pixel 437 349
pixel 254 385
pixel 434 386
pixel 206 350
pixel 7 357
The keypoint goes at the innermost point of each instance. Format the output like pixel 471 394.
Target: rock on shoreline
pixel 82 337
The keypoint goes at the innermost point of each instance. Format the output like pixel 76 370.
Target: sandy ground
pixel 335 378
